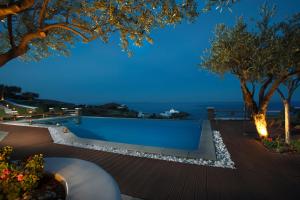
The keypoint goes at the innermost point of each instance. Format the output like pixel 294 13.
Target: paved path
pixel 260 174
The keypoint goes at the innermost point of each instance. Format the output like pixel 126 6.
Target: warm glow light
pixel 261 125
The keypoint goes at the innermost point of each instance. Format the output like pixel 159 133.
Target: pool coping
pixel 206 144
pixel 3 134
pixel 206 148
pixel 212 150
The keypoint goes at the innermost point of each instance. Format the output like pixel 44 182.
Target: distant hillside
pixel 45 103
pixel 109 110
pixel 15 96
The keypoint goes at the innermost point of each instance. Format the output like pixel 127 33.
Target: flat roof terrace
pixel 259 173
pixel 207 153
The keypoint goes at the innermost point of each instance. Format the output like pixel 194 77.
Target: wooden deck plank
pixel 260 174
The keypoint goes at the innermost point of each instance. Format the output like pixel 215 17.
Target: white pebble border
pixel 222 154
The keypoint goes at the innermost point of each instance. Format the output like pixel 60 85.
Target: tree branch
pixel 22 48
pixel 10 31
pixel 248 98
pixel 11 54
pixel 275 86
pixel 81 28
pixel 296 84
pixel 263 89
pixel 281 94
pixel 31 36
pixel 65 27
pixel 15 8
pixel 253 89
pixel 296 72
pixel 42 13
pixel 40 34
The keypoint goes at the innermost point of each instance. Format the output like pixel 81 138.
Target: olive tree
pixel 290 87
pixel 35 29
pixel 261 58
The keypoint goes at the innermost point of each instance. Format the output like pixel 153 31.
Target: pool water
pixel 178 134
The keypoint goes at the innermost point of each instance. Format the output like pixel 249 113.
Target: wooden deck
pixel 260 174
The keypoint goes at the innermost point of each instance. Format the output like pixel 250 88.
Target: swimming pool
pixel 177 134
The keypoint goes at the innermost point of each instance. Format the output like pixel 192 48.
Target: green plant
pixel 41 110
pixel 269 143
pixel 276 144
pixel 2 112
pixel 19 178
pixel 280 146
pixel 21 110
pixel 295 144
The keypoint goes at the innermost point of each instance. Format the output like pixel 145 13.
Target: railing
pixel 213 113
pixel 30 116
pixel 33 115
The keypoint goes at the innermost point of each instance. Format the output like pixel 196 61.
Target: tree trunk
pixel 258 113
pixel 15 8
pixel 287 121
pixel 260 122
pixel 11 54
pixel 22 48
pixel 248 97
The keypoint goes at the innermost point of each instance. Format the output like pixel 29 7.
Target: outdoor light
pixel 261 125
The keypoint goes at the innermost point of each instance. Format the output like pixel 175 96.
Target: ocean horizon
pixel 198 110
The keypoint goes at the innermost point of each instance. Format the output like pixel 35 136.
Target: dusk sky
pixel 166 71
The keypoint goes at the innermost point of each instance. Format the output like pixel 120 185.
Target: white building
pixel 141 115
pixel 169 113
pixel 122 106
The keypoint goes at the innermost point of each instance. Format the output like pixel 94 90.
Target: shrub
pixel 2 112
pixel 22 111
pixel 41 110
pixel 269 143
pixel 19 178
pixel 277 144
pixel 295 144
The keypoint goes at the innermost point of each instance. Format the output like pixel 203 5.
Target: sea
pixel 199 110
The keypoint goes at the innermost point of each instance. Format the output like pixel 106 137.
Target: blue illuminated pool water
pixel 178 134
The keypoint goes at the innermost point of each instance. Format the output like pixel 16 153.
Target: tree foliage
pixel 263 57
pixel 15 92
pixel 53 26
pixel 9 91
pixel 29 95
pixel 218 4
pixel 290 86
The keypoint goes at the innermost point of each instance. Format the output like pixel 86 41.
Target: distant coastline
pixel 116 110
pixel 152 110
pixel 149 110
